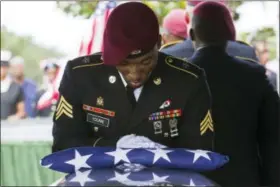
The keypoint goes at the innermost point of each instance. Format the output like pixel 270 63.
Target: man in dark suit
pixel 185 50
pixel 245 105
pixel 131 88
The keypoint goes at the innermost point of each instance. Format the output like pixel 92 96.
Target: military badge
pixel 165 114
pixel 99 110
pixel 165 104
pixel 100 101
pixel 86 60
pixel 158 127
pixel 136 52
pixel 96 129
pixel 157 81
pixel 173 127
pixel 112 79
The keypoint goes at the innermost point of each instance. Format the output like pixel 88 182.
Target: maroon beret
pixel 131 31
pixel 219 16
pixel 175 23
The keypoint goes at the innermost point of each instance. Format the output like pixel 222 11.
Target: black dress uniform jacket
pixel 94 110
pixel 185 50
pixel 246 113
pixel 237 49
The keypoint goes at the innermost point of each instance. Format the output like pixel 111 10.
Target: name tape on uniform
pixel 98 120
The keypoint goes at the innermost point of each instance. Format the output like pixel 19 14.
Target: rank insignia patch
pixel 63 107
pixel 207 123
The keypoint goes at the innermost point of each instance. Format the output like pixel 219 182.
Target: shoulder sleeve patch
pixel 247 59
pixel 88 61
pixel 183 65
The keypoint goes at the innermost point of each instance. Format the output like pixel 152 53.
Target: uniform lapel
pixel 117 94
pixel 152 96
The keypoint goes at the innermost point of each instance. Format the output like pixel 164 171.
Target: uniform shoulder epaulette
pixel 87 61
pixel 244 43
pixel 246 59
pixel 183 65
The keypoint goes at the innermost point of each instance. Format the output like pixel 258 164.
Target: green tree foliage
pixel 162 8
pixel 266 34
pixel 32 53
pixel 86 8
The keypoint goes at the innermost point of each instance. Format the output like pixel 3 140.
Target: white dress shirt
pixel 137 91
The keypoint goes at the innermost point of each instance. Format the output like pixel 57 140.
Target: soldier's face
pixel 136 71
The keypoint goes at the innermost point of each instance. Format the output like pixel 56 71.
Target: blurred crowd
pixel 22 97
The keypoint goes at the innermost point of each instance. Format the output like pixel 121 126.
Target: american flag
pixel 93 40
pixel 142 177
pixel 71 160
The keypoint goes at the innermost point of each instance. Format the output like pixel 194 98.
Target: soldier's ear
pixel 192 35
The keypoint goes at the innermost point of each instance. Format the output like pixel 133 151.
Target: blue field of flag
pixel 142 177
pixel 71 160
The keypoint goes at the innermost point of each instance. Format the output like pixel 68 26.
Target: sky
pixel 51 27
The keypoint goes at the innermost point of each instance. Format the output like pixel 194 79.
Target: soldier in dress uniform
pixel 174 28
pixel 185 49
pixel 131 88
pixel 245 105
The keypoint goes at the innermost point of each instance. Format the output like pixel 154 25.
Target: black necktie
pixel 130 96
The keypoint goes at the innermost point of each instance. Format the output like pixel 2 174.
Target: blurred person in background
pixel 263 54
pixel 28 86
pixel 245 106
pixel 48 96
pixel 174 28
pixel 185 49
pixel 12 96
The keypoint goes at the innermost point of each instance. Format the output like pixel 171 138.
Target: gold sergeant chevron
pixel 63 107
pixel 206 124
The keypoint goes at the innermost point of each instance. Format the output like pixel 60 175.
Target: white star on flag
pixel 160 153
pixel 199 153
pixel 82 177
pixel 158 179
pixel 119 154
pixel 192 183
pixel 48 166
pixel 79 161
pixel 120 177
